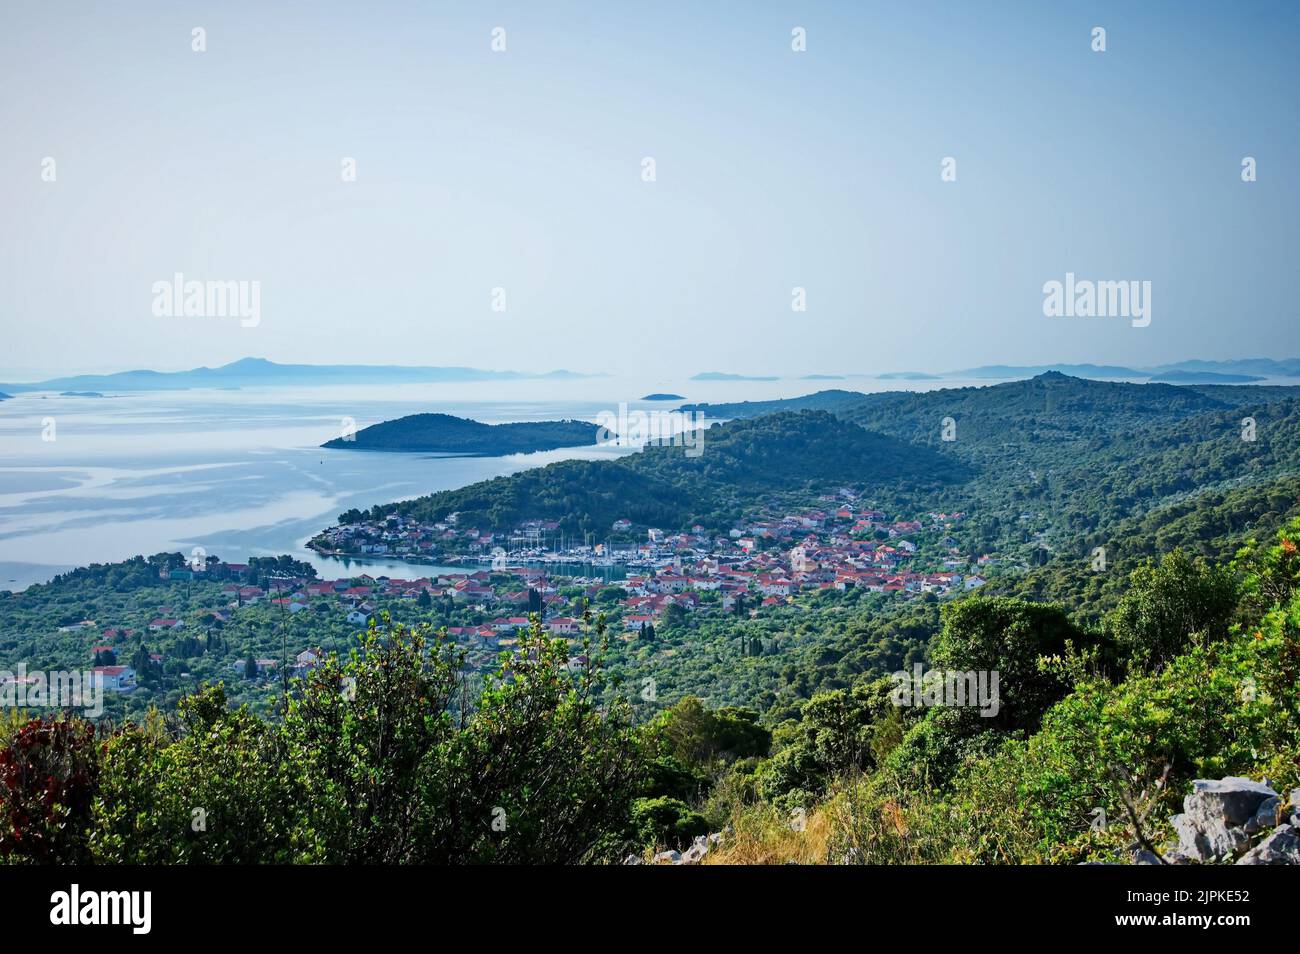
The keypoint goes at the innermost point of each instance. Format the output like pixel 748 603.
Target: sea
pixel 235 473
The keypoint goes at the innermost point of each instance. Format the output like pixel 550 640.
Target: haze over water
pixel 240 472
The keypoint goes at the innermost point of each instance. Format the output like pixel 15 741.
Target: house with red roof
pixel 113 678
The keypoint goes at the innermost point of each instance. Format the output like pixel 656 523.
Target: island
pixel 657 396
pixel 445 434
pixel 728 376
pixel 1203 377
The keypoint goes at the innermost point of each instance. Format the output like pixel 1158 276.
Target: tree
pixel 673 615
pixel 1272 573
pixel 250 664
pixel 1168 604
pixel 698 737
pixel 1007 636
pixel 369 737
pixel 221 793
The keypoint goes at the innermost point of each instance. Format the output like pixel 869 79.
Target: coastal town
pixel 484 587
pixel 765 562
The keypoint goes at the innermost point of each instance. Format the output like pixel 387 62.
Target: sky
pixel 523 170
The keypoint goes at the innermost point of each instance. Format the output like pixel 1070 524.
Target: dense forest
pixel 664 486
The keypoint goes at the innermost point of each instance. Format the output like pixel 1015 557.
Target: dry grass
pixel 764 836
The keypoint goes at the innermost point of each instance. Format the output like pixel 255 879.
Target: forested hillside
pixel 1169 656
pixel 445 434
pixel 665 486
pixel 382 758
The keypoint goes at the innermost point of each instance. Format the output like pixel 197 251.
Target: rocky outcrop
pixel 691 856
pixel 1234 820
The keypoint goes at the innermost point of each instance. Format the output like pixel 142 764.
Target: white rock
pixel 1231 800
pixel 1282 847
pixel 695 854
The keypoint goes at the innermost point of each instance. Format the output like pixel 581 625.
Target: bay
pixel 240 473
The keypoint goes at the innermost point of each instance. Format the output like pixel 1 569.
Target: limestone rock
pixel 1233 800
pixel 1215 816
pixel 1282 847
pixel 695 854
pixel 1265 817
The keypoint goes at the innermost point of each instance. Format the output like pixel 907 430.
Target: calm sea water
pixel 240 472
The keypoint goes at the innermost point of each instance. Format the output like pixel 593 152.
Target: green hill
pixel 740 463
pixel 444 434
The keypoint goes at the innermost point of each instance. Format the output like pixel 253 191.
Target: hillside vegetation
pixel 445 434
pixel 665 486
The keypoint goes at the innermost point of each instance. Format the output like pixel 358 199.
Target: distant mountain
pixel 1028 371
pixel 258 372
pixel 725 376
pixel 1203 377
pixel 445 434
pixel 658 396
pixel 1265 367
pixel 1237 371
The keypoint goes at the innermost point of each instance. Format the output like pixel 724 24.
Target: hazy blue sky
pixel 522 170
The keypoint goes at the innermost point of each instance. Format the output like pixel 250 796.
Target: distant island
pixel 258 372
pixel 663 397
pixel 1234 371
pixel 834 401
pixel 93 394
pixel 1203 377
pixel 1007 371
pixel 726 376
pixel 445 434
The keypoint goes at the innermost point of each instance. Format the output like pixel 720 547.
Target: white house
pixel 114 678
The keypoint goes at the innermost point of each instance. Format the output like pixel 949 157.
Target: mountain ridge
pixel 259 372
